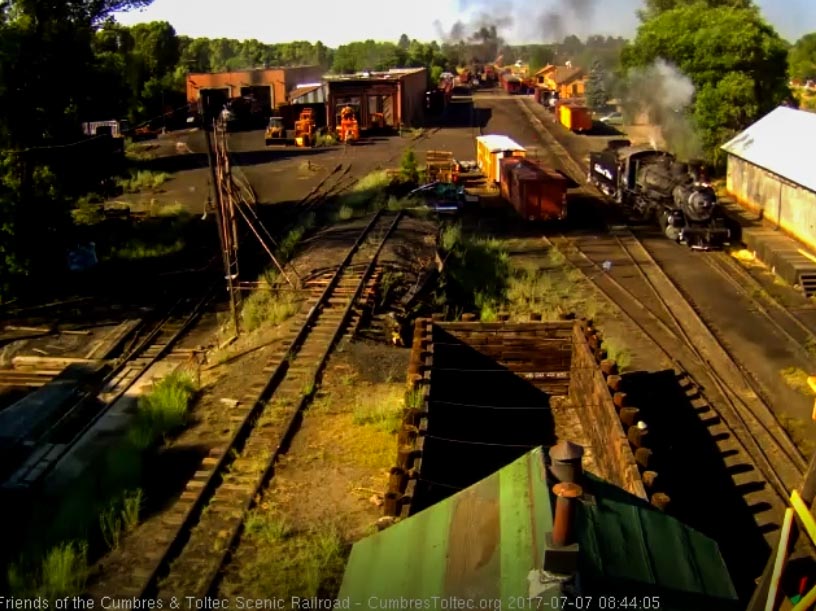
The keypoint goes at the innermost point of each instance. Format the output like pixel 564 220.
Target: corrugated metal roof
pixel 309 94
pixel 483 542
pixel 479 544
pixel 776 143
pixel 496 142
pixel 629 546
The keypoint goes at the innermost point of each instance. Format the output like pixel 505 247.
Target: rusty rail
pixel 228 482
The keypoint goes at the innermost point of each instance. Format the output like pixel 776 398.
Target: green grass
pixel 268 307
pixel 326 140
pixel 142 180
pixel 137 249
pixel 476 273
pixel 120 517
pixel 368 194
pixel 162 411
pixel 303 562
pixel 62 572
pixel 618 352
pixel 88 210
pixel 380 406
pixel 267 527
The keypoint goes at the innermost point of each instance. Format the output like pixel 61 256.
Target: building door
pixel 388 110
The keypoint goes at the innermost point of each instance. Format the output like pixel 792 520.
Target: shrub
pixel 163 410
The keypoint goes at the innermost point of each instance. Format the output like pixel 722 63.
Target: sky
pixel 336 22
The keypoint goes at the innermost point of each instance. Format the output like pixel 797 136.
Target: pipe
pixel 781 552
pixel 563 531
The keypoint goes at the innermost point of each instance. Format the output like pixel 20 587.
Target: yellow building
pixel 568 81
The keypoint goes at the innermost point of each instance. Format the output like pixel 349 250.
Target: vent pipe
pixel 566 495
pixel 565 459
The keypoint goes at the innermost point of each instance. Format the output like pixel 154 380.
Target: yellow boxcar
pixel 490 150
pixel 575 118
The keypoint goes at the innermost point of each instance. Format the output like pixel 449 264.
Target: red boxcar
pixel 537 193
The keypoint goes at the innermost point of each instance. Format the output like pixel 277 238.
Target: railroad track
pixel 747 430
pixel 197 541
pixel 70 428
pixel 782 318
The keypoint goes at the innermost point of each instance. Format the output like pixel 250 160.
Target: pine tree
pixel 596 94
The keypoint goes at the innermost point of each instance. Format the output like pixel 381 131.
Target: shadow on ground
pixel 692 472
pixel 482 417
pixel 461 114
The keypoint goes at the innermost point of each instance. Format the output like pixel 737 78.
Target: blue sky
pixel 337 21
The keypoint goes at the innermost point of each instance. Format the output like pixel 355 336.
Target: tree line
pixel 62 63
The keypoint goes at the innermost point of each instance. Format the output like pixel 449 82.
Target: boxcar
pixel 537 193
pixel 576 118
pixel 491 149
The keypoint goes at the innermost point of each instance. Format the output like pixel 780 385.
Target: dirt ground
pixel 327 490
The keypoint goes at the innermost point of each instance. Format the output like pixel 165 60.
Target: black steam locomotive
pixel 653 185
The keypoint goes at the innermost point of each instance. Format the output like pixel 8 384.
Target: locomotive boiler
pixel 653 185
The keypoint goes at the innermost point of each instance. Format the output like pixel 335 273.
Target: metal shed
pixel 486 545
pixel 770 172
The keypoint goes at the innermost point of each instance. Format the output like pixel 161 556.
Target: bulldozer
pixel 348 130
pixel 305 128
pixel 276 133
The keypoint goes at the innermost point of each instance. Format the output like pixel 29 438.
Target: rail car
pixel 537 193
pixel 652 185
pixel 490 150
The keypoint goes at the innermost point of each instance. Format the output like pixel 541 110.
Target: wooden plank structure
pixel 477 389
pixel 441 166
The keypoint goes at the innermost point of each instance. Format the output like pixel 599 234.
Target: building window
pixel 575 89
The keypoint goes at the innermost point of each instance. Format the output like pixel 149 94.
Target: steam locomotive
pixel 653 185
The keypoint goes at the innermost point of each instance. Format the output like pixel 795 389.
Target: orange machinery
pixel 348 129
pixel 305 128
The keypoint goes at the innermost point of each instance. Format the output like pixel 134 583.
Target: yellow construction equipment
pixel 276 133
pixel 348 130
pixel 305 128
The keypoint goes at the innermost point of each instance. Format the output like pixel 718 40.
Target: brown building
pixel 568 81
pixel 398 94
pixel 271 86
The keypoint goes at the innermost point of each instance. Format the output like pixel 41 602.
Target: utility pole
pixel 213 160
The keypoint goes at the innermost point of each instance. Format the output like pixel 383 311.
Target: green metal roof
pixel 481 544
pixel 478 544
pixel 629 547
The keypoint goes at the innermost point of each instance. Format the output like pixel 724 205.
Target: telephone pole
pixel 224 233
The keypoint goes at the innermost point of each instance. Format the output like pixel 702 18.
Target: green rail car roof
pixel 482 543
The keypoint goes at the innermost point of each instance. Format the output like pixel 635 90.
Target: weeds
pixel 476 273
pixel 136 249
pixel 62 572
pixel 289 243
pixel 797 379
pixel 380 407
pixel 268 307
pixel 88 210
pixel 163 410
pixel 408 166
pixel 326 140
pixel 267 527
pixel 345 213
pixel 618 353
pixel 368 193
pixel 801 433
pixel 142 180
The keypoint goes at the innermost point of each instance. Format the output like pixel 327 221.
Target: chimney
pixel 565 461
pixel 560 546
